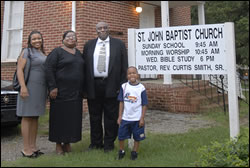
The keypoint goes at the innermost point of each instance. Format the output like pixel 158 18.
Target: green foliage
pixel 230 11
pixel 231 153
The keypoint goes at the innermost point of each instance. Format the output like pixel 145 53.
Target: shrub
pixel 231 153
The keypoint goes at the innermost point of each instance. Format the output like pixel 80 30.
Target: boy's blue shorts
pixel 131 127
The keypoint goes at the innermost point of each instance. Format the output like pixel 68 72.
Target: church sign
pixel 181 50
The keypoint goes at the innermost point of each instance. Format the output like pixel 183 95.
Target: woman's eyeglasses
pixel 73 37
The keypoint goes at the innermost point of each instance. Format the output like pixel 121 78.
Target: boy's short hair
pixel 132 67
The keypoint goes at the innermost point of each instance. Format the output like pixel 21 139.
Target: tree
pixel 230 11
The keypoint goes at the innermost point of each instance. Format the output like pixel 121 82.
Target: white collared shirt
pixel 98 45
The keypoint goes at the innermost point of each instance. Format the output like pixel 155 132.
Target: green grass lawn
pixel 176 150
pixel 157 150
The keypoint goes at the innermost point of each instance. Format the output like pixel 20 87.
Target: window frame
pixel 6 31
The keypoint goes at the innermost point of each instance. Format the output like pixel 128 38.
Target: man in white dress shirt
pixel 106 63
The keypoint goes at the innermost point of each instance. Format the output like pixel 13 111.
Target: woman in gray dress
pixel 31 100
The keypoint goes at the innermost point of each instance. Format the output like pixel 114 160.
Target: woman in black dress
pixel 64 75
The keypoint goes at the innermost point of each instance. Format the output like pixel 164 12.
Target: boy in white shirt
pixel 133 105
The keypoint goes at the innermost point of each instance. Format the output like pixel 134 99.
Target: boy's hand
pixel 119 120
pixel 141 123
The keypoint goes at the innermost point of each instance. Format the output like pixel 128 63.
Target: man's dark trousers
pixel 110 108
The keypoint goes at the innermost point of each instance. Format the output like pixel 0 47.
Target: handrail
pixel 221 87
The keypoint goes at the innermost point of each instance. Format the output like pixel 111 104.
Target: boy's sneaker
pixel 133 155
pixel 121 154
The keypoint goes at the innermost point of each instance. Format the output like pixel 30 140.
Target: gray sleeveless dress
pixel 35 103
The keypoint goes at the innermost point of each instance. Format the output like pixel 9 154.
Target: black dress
pixel 65 71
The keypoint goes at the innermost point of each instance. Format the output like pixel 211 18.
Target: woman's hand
pixel 24 92
pixel 53 93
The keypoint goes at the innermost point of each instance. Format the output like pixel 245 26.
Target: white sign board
pixel 198 49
